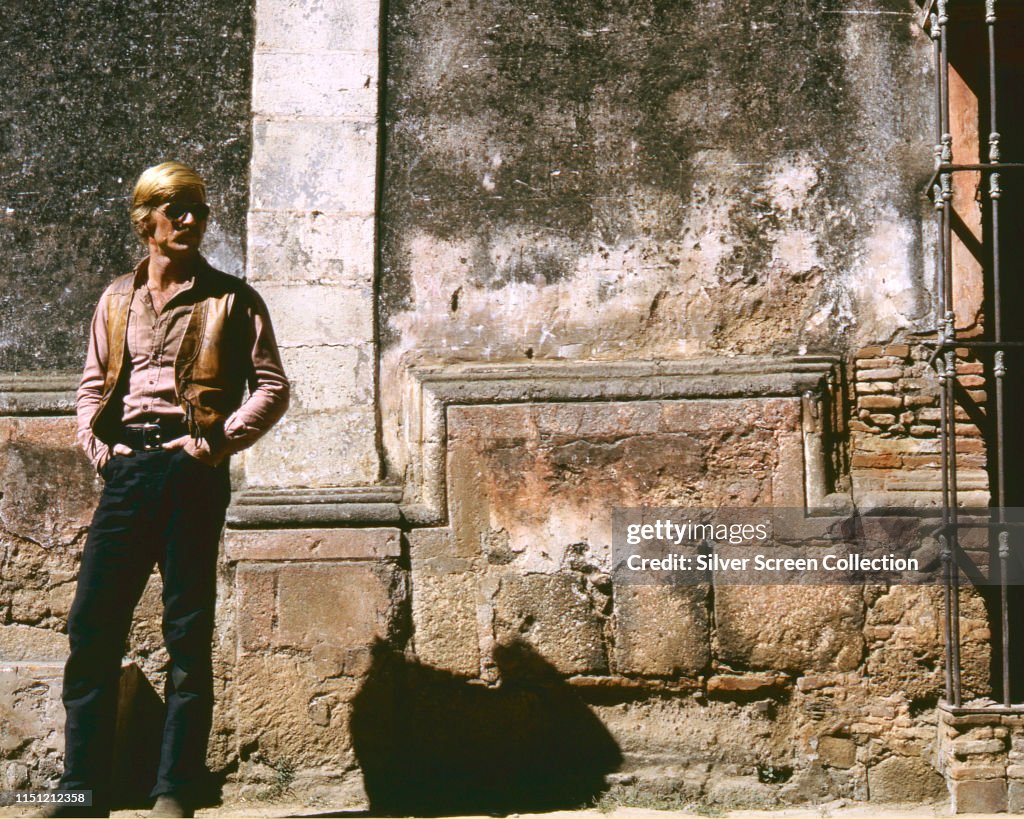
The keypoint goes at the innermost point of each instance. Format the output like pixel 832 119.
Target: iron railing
pixel 937 21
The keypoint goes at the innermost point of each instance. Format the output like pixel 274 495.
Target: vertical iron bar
pixel 947 631
pixel 999 368
pixel 940 364
pixel 948 337
pixel 1004 559
pixel 937 201
pixel 940 203
pixel 946 155
pixel 953 512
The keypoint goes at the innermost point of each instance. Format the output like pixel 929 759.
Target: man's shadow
pixel 431 743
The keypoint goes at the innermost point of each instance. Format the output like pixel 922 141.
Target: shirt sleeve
pixel 90 389
pixel 269 389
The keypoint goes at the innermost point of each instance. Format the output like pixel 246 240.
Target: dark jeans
pixel 163 508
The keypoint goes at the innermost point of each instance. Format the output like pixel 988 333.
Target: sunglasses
pixel 176 210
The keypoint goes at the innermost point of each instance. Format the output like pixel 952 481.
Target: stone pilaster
pixel 311 234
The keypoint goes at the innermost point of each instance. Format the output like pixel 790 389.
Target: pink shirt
pixel 153 341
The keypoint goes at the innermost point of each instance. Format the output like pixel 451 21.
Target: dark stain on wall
pixel 554 114
pixel 598 123
pixel 96 91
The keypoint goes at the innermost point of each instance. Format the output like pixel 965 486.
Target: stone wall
pixel 529 264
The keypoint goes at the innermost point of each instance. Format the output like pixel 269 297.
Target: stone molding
pixel 301 508
pixel 41 393
pixel 435 388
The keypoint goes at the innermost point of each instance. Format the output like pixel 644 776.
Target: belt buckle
pixel 151 436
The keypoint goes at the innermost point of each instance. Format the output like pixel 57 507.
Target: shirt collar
pixel 141 273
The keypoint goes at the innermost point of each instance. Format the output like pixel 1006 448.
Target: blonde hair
pixel 160 184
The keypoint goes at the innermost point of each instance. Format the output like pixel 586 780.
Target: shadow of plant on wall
pixel 433 743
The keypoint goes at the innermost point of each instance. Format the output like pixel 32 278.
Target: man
pixel 173 347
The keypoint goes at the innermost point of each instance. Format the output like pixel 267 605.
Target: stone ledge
pixel 43 393
pixel 309 508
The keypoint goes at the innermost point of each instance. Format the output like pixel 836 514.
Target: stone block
pixel 881 460
pixel 311 25
pixel 959 771
pixel 876 402
pixel 1015 796
pixel 912 615
pixel 880 374
pixel 837 752
pixel 49 488
pixel 973 747
pixel 740 792
pixel 324 165
pixel 556 617
pixel 529 470
pixel 312 544
pixel 874 387
pixel 444 614
pixel 339 84
pixel 334 604
pixel 875 443
pixel 311 248
pixel 26 643
pixel 293 715
pixel 146 640
pixel 316 449
pixel 970 368
pixel 811 628
pixel 425 544
pixel 930 479
pixel 256 597
pixel 332 611
pixel 319 315
pixel 763 684
pixel 32 717
pixel 661 631
pixel 328 377
pixel 979 796
pixel 905 779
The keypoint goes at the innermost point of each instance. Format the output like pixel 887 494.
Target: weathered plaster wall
pixel 103 90
pixel 615 179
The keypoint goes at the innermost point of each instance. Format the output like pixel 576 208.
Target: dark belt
pixel 151 435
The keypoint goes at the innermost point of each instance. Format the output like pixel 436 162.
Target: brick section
pixel 982 757
pixel 894 428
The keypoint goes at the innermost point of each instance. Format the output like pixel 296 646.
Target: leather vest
pixel 211 365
